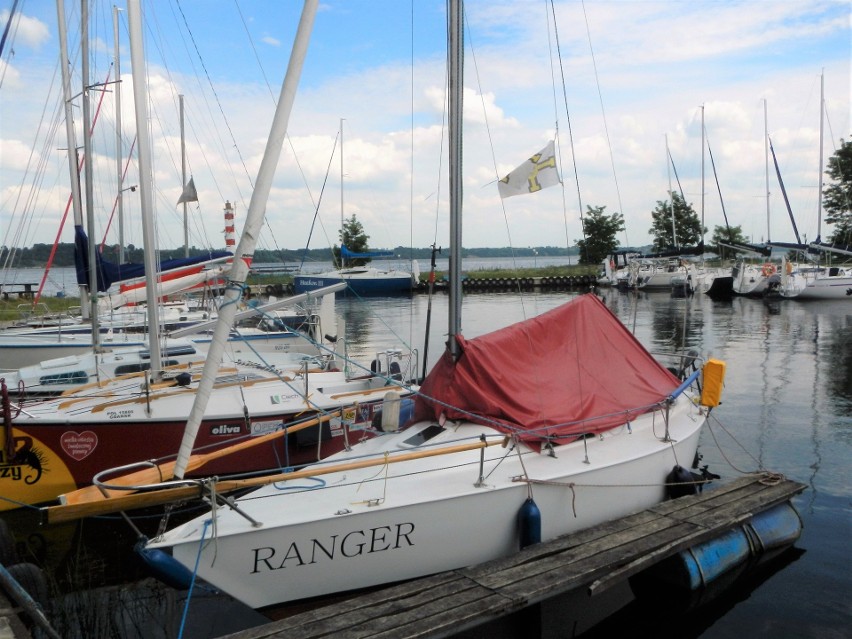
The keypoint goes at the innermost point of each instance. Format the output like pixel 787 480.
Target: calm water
pixel 787 408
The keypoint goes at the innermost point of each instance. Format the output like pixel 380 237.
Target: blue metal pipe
pixel 686 384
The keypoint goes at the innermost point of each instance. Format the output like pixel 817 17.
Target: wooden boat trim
pixel 125 377
pixel 164 472
pixel 369 391
pixel 150 398
pixel 72 512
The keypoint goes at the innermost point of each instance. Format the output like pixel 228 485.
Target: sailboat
pixel 750 278
pixel 273 418
pixel 117 320
pixel 560 422
pixel 288 340
pixel 817 282
pixel 359 279
pixel 668 269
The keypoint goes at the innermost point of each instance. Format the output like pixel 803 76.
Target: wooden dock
pixel 445 604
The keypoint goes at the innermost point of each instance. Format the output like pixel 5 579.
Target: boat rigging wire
pixel 215 93
pixel 568 118
pixel 8 26
pixel 603 114
pixel 289 140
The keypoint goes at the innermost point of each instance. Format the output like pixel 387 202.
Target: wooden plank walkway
pixel 447 603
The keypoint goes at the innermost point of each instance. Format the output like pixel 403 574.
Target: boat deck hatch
pixel 422 436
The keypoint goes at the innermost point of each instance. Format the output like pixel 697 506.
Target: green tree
pixel 600 230
pixel 727 235
pixel 353 237
pixel 837 197
pixel 686 224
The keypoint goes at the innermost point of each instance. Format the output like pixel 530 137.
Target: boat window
pixel 239 377
pixel 124 369
pixel 75 377
pixel 423 436
pixel 138 368
pixel 170 351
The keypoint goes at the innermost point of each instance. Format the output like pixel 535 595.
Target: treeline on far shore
pixel 38 255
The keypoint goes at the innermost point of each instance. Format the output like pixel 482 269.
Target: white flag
pixel 535 174
pixel 189 193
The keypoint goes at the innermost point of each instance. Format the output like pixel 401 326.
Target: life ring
pixel 768 270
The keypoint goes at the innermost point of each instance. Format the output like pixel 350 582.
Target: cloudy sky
pixel 613 82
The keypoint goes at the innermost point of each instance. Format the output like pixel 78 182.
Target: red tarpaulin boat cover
pixel 575 369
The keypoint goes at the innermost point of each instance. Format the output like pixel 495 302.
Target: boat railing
pixel 396 365
pixel 40 315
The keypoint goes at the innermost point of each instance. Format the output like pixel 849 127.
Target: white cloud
pixel 15 155
pixel 26 31
pixel 10 75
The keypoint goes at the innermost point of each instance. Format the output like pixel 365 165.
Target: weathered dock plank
pixel 597 558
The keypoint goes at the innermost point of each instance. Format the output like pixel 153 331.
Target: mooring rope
pixel 192 583
pixel 770 478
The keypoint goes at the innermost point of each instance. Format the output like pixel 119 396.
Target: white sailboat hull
pixel 359 280
pixel 818 287
pixel 22 351
pixel 751 280
pixel 385 524
pixel 18 351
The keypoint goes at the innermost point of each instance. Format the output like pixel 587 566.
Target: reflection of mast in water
pixel 815 419
pixel 676 331
pixel 765 409
pixel 775 378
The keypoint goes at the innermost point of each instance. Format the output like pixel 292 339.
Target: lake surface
pixel 786 408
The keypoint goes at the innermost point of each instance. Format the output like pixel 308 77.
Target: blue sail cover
pixel 110 273
pixel 346 254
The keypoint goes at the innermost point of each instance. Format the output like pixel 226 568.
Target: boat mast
pixel 456 84
pixel 766 160
pixel 248 239
pixel 119 153
pixel 183 180
pixel 71 137
pixel 146 180
pixel 702 182
pixel 342 259
pixel 671 191
pixel 819 193
pixel 90 191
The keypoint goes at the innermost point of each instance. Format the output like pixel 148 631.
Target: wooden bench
pixel 24 291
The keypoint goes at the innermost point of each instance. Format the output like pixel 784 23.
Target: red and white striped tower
pixel 230 235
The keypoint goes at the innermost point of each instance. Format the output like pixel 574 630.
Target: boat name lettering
pixel 352 544
pixel 119 414
pixel 265 427
pixel 25 456
pixel 226 429
pixel 10 472
pixel 279 399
